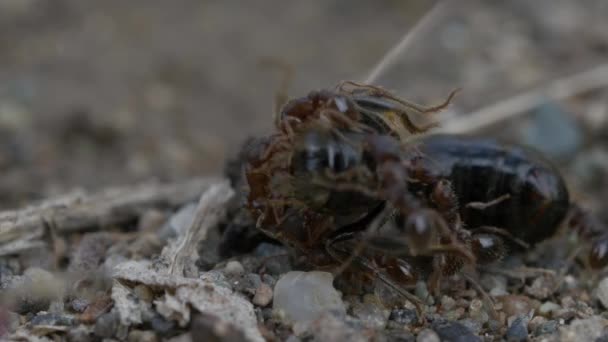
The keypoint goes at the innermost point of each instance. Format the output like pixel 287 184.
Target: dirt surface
pixel 111 93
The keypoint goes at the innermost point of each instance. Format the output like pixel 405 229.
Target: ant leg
pixel 487 299
pixel 274 146
pixel 434 282
pixel 365 264
pixel 371 222
pixel 387 281
pixel 339 117
pixel 376 91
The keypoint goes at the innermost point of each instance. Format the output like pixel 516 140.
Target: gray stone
pixel 602 292
pixel 107 325
pixel 234 268
pixel 52 319
pixel 518 330
pixel 548 327
pixel 454 331
pixel 427 335
pixel 404 316
pixel 588 329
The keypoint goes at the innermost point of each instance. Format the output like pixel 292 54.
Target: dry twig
pixel 24 228
pixel 559 89
pixel 210 210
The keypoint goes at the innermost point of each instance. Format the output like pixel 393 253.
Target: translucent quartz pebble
pixel 304 296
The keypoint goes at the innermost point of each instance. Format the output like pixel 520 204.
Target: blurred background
pixel 100 93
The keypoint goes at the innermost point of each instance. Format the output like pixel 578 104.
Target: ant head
pixel 420 229
pixel 488 247
pixel 598 256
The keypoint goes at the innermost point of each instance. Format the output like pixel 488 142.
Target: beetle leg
pixel 485 205
pixel 503 233
pixel 590 228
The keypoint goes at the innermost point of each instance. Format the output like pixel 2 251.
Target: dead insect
pixel 344 162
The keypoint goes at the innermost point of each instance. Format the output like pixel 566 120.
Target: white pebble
pixel 304 296
pixel 234 268
pixel 602 292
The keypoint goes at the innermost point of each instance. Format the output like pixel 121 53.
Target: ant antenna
pixel 390 57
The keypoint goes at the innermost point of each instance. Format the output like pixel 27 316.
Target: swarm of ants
pixel 351 181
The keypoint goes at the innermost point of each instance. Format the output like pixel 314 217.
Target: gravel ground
pixel 110 92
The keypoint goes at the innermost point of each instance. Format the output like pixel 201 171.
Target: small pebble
pixel 602 292
pixel 447 303
pixel 263 295
pixel 248 283
pixel 476 311
pixel 80 333
pixel 234 268
pixel 541 288
pixel 548 327
pixel 90 252
pixel 371 314
pixel 536 322
pixel 568 302
pixel 588 329
pixel 269 280
pixel 516 305
pixel 518 330
pixel 496 285
pixel 107 324
pixel 494 325
pixel 304 296
pixel 455 314
pixel 206 327
pixel 161 325
pixel 548 308
pixel 471 324
pixel 79 305
pixel 404 316
pixel 400 336
pixel 144 293
pixel 454 331
pixel 427 335
pixel 142 336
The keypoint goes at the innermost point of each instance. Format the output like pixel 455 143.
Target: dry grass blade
pixel 431 16
pixel 559 89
